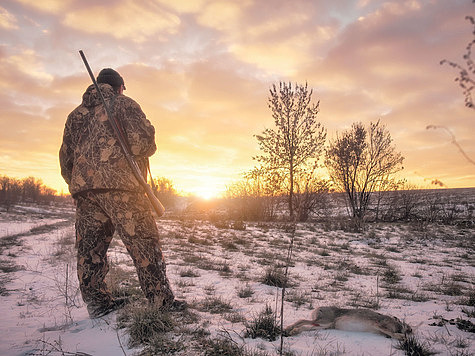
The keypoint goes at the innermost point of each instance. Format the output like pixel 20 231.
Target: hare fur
pixel 363 320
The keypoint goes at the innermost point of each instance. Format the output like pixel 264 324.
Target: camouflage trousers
pixel 98 215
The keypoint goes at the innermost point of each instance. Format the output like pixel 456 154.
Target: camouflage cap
pixel 111 77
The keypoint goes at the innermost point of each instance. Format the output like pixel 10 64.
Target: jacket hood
pixel 91 97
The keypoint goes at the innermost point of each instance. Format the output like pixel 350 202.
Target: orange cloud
pixel 222 16
pixel 28 62
pixel 50 6
pixel 128 20
pixel 184 6
pixel 7 20
pixel 283 58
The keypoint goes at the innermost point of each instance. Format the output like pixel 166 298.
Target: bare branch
pixel 466 74
pixel 453 140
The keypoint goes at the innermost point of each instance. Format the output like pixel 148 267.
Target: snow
pixel 37 318
pixel 35 315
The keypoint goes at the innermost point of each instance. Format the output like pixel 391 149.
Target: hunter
pixel 109 198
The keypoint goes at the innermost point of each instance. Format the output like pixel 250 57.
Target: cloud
pixel 184 6
pixel 222 16
pixel 390 44
pixel 277 39
pixel 7 20
pixel 208 102
pixel 201 71
pixel 128 20
pixel 49 6
pixel 392 56
pixel 386 65
pixel 283 58
pixel 28 62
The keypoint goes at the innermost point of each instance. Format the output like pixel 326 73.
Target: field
pixel 231 273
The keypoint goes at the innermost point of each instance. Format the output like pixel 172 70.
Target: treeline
pixel 246 201
pixel 165 192
pixel 447 206
pixel 25 190
pixel 32 190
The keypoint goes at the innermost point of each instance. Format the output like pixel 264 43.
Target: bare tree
pixel 30 189
pixel 359 162
pixel 165 192
pixel 297 141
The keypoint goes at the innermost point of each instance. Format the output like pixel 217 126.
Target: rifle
pixel 157 205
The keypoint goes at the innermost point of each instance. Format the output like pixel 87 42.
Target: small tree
pixel 359 162
pixel 297 140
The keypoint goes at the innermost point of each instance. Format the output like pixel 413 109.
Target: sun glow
pixel 206 192
pixel 203 186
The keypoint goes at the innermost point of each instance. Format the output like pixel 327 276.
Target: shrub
pixel 238 225
pixel 299 298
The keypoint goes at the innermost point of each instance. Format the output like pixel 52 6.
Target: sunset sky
pixel 201 70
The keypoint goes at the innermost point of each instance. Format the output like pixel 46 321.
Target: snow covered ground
pixel 421 274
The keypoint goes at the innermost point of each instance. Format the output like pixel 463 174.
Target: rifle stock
pixel 156 204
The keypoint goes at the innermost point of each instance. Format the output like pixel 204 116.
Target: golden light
pixel 205 186
pixel 206 192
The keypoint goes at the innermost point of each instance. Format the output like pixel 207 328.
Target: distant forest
pixel 25 190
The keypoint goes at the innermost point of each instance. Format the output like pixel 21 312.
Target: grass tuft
pixel 264 326
pixel 245 292
pixel 274 277
pixel 391 275
pixel 145 324
pixel 189 272
pixel 222 347
pixel 215 305
pixel 413 347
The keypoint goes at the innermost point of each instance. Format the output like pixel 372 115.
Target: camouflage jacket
pixel 91 156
